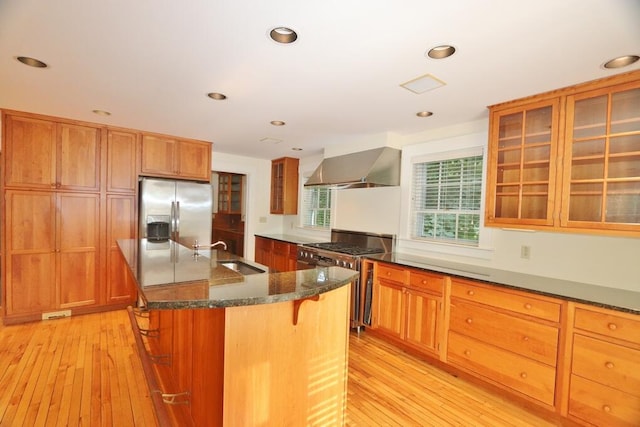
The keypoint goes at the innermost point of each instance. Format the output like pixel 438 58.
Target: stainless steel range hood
pixel 371 168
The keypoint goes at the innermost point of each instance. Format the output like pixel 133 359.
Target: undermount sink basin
pixel 241 267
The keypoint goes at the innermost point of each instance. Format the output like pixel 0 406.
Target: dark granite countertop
pixel 290 238
pixel 617 299
pixel 169 276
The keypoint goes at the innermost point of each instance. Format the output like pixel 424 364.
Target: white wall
pixel 258 175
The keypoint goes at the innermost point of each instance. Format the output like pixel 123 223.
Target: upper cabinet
pixel 568 160
pixel 122 151
pixel 176 158
pixel 44 154
pixel 230 193
pixel 284 186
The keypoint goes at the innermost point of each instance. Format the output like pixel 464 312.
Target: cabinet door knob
pixel 613 326
pixel 527 306
pixel 609 365
pixel 606 408
pixel 470 293
pixel 424 281
pixel 525 338
pixel 388 273
pixel 523 375
pixel 467 352
pixel 469 320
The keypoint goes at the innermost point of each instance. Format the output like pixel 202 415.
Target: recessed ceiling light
pixel 297 149
pixel 424 114
pixel 101 112
pixel 277 122
pixel 440 52
pixel 32 62
pixel 283 35
pixel 621 61
pixel 217 96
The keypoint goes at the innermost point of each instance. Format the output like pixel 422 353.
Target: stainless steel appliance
pixel 179 210
pixel 346 250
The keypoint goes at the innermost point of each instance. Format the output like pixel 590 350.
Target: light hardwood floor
pixel 84 371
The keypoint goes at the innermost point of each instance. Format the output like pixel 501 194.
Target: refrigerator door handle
pixel 177 219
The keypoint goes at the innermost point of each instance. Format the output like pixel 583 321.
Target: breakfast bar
pixel 231 343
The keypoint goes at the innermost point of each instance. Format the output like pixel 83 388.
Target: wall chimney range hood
pixel 371 168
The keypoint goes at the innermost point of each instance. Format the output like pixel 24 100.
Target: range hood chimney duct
pixel 371 168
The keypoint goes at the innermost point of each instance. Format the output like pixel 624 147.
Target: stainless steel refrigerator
pixel 176 210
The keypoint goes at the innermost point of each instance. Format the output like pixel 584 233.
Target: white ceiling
pixel 152 62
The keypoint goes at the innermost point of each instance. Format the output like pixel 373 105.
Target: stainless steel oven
pixel 346 250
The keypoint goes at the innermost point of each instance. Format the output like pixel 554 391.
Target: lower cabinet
pixel 578 361
pixel 508 338
pixel 407 306
pixel 604 386
pixel 279 256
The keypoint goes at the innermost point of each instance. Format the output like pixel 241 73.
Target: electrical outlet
pixel 525 252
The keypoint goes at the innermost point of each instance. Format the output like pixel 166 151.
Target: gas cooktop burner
pixel 345 248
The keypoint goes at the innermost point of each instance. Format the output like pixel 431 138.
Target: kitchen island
pixel 228 343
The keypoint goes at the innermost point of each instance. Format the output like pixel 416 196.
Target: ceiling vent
pixel 423 84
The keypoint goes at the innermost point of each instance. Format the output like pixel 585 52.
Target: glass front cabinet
pixel 568 160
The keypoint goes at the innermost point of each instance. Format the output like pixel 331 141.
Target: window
pixel 446 197
pixel 317 207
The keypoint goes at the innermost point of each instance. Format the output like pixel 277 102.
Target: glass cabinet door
pixel 522 173
pixel 602 151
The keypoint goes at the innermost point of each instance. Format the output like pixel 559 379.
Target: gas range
pixel 346 250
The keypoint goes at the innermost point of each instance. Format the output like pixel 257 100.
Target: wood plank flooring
pixel 84 371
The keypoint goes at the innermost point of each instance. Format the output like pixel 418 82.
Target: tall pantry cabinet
pixel 60 212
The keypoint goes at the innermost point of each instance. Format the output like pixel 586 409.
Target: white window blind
pixel 317 207
pixel 446 199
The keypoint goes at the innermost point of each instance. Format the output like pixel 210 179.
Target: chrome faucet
pixel 197 246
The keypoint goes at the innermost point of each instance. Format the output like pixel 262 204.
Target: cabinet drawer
pixel 281 247
pixel 610 364
pixel 508 300
pixel 601 405
pixel 608 324
pixel 426 281
pixel 392 273
pixel 525 337
pixel 527 376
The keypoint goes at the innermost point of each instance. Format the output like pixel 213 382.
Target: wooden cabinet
pixel 52 250
pixel 43 154
pixel 407 306
pixel 602 159
pixel 521 166
pixel 605 360
pixel 122 155
pixel 279 256
pixel 230 193
pixel 519 330
pixel 568 160
pixel 176 158
pixel 284 186
pixel 121 224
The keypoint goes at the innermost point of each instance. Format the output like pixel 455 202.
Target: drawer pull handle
pixel 527 306
pixel 606 408
pixel 523 375
pixel 469 320
pixel 613 326
pixel 470 293
pixel 609 365
pixel 388 273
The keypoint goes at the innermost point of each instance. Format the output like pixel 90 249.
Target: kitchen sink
pixel 241 267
